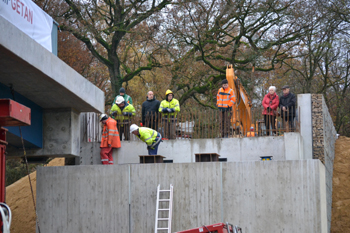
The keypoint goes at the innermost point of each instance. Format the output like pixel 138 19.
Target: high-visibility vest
pixel 147 135
pixel 110 134
pixel 174 103
pixel 251 134
pixel 225 98
pixel 120 116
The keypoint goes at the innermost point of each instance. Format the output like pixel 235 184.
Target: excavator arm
pixel 241 117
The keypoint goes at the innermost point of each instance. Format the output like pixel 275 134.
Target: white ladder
pixel 164 210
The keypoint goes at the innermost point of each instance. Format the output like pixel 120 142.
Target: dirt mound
pixel 20 200
pixel 341 187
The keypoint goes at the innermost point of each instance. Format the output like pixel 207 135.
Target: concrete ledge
pixel 259 196
pixel 234 149
pixel 42 77
pixel 287 147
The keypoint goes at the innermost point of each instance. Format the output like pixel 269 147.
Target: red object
pixel 219 228
pixel 141 124
pixel 110 134
pixel 106 154
pixel 270 101
pixel 2 173
pixel 13 113
pixel 3 144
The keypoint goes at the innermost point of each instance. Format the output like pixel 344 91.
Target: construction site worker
pixel 122 112
pixel 151 137
pixel 110 139
pixel 270 104
pixel 169 109
pixel 225 99
pixel 287 106
pixel 150 111
pixel 251 133
pixel 126 97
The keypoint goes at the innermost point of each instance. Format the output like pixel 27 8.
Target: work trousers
pixel 169 127
pixel 154 151
pixel 225 123
pixel 106 154
pixel 124 129
pixel 270 121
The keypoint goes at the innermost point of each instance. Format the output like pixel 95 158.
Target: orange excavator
pixel 241 118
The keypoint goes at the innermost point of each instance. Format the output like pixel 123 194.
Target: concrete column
pixel 305 119
pixel 61 135
pixel 292 146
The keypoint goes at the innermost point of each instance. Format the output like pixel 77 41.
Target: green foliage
pixel 16 169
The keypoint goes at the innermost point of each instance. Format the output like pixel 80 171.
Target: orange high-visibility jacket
pixel 110 134
pixel 250 134
pixel 225 98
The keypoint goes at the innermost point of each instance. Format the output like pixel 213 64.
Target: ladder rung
pixel 164 199
pixel 163 209
pixel 162 229
pixel 165 190
pixel 163 219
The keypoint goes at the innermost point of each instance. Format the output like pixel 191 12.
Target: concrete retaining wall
pixel 271 196
pixel 324 136
pixel 287 147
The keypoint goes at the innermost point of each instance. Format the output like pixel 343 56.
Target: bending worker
pixel 122 112
pixel 151 137
pixel 110 139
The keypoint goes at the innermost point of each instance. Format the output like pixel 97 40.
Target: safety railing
pixel 205 123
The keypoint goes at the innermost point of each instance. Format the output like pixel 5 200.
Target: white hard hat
pixel 103 117
pixel 119 100
pixel 133 127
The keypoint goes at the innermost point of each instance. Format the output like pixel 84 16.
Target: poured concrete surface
pixel 42 77
pixel 266 196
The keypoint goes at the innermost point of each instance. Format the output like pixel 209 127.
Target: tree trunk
pixel 115 76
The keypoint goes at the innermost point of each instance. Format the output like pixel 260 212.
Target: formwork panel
pixel 83 199
pixel 258 196
pixel 196 194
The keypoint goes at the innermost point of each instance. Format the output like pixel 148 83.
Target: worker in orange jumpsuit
pixel 225 99
pixel 110 139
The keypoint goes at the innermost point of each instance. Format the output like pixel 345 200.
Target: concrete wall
pixel 329 150
pixel 270 196
pixel 286 147
pixel 323 143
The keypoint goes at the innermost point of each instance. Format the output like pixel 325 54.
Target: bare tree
pixel 111 31
pixel 251 35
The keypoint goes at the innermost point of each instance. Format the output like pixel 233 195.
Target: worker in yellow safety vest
pixel 169 109
pixel 110 139
pixel 151 137
pixel 122 112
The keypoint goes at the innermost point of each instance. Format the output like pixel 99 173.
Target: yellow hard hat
pixel 169 92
